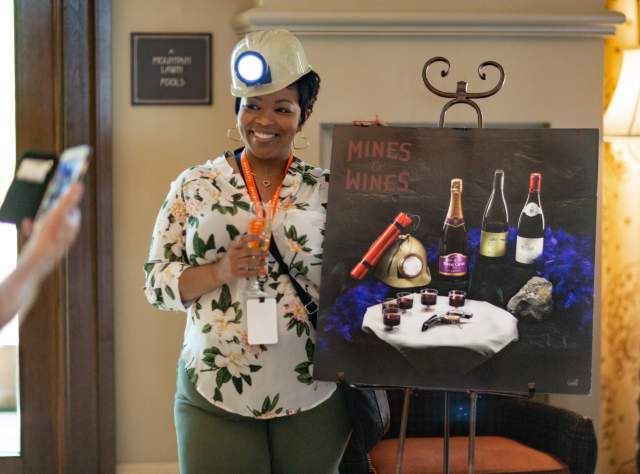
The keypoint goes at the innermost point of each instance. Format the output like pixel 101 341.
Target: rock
pixel 533 300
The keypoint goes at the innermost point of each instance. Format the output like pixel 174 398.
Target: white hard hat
pixel 266 61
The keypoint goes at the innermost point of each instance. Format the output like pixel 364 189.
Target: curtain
pixel 620 226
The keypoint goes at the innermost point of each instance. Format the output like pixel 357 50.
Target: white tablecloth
pixel 446 347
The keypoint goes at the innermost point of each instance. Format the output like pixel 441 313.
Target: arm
pixel 172 282
pixel 51 237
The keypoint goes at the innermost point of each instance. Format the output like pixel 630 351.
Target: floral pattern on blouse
pixel 207 209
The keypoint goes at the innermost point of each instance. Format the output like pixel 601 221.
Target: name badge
pixel 262 321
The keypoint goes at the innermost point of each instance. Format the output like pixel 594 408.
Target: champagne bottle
pixel 495 221
pixel 453 259
pixel 530 240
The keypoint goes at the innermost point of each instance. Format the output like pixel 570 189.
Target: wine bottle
pixel 530 239
pixel 495 221
pixel 453 259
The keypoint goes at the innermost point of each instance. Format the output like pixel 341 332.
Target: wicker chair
pixel 513 435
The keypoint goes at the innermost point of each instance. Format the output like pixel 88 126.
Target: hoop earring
pixel 232 137
pixel 305 142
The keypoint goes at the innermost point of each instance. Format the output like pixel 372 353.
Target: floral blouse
pixel 206 210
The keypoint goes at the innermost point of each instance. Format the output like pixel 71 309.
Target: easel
pixel 473 411
pixel 461 96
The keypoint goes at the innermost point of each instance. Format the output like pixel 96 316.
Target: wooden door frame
pixel 63 98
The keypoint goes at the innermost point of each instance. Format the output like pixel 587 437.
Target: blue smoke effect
pixel 567 262
pixel 345 317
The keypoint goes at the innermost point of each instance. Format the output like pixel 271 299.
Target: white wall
pixel 549 79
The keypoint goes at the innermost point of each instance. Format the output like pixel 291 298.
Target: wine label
pixel 493 244
pixel 454 264
pixel 532 209
pixel 527 250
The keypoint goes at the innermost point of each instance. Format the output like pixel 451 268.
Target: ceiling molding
pixel 390 23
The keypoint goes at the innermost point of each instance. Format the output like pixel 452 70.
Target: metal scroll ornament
pixel 461 95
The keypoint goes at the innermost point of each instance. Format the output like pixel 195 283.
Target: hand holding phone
pixel 40 180
pixel 71 168
pixel 54 231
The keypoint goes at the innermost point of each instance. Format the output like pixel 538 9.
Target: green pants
pixel 211 440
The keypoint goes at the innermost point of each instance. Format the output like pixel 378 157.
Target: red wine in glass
pixel 429 297
pixel 457 298
pixel 390 304
pixel 390 319
pixel 405 300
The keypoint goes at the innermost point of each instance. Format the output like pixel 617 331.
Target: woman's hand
pixel 54 232
pixel 243 260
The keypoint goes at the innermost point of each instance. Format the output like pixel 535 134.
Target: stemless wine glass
pixel 390 313
pixel 260 226
pixel 390 304
pixel 457 298
pixel 390 319
pixel 405 300
pixel 428 297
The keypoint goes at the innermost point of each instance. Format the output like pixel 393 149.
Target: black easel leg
pixel 473 411
pixel 403 429
pixel 445 447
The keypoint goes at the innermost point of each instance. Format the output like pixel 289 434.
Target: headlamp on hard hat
pixel 404 264
pixel 266 61
pixel 411 266
pixel 252 69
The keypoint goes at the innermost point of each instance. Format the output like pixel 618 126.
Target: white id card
pixel 262 321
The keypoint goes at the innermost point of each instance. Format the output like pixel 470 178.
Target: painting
pixel 460 259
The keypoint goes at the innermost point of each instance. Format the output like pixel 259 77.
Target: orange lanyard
pixel 252 189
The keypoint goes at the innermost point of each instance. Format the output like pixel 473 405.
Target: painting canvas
pixel 460 259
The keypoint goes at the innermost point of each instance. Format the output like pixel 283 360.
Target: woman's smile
pixel 264 136
pixel 268 123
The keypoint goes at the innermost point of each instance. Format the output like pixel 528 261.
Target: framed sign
pixel 171 69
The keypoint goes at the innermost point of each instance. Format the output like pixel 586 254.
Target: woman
pixel 244 408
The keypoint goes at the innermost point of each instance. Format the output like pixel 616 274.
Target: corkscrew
pixel 461 95
pixel 450 317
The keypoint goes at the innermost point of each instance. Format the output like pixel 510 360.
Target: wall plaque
pixel 171 68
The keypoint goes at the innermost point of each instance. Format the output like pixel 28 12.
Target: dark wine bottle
pixel 530 240
pixel 453 259
pixel 495 221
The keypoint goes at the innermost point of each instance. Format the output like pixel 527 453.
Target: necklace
pixel 265 182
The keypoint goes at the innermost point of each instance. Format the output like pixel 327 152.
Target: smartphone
pixel 72 166
pixel 40 179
